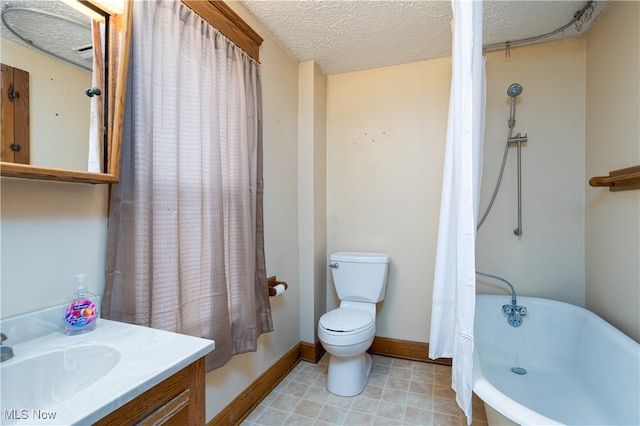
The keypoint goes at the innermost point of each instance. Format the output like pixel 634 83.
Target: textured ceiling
pixel 48 26
pixel 340 35
pixel 351 35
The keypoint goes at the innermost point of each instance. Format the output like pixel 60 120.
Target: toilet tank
pixel 360 276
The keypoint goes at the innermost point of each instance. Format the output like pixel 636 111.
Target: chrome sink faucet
pixel 7 352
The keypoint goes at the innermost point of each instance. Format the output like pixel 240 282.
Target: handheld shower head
pixel 514 90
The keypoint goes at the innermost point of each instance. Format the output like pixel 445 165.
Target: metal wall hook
pixel 94 91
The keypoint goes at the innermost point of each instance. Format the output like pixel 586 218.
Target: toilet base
pixel 348 376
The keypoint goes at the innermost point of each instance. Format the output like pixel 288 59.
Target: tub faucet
pixel 7 352
pixel 514 312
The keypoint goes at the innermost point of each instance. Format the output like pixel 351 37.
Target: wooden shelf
pixel 619 180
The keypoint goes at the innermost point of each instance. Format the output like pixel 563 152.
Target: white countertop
pixel 146 357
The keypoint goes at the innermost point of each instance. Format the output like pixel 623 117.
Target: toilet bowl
pixel 348 331
pixel 346 334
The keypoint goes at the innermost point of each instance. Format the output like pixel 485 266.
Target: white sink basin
pixel 54 376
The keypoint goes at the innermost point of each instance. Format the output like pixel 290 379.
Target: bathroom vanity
pixel 178 400
pixel 117 374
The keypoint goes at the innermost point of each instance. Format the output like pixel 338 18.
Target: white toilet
pixel 347 332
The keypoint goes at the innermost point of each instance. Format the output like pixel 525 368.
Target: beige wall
pixel 385 147
pixel 613 142
pixel 312 196
pixel 59 109
pixel 548 260
pixel 50 232
pixel 386 133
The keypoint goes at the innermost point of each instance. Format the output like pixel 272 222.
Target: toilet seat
pixel 346 321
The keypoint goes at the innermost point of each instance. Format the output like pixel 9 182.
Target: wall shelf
pixel 619 180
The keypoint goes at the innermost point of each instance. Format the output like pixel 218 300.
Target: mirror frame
pixel 118 48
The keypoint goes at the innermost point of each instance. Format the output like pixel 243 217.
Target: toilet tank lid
pixel 360 257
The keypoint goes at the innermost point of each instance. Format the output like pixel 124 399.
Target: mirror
pixel 65 123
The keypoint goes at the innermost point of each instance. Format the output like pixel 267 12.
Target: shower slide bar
pixel 519 140
pixel 619 180
pixel 513 91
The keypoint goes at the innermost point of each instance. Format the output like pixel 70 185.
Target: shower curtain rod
pixel 585 13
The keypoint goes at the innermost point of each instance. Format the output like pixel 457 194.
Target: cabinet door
pixel 178 400
pixel 14 106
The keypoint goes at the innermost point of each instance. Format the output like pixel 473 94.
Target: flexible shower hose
pixel 488 209
pixel 495 191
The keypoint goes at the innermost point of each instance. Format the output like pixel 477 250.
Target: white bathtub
pixel 580 369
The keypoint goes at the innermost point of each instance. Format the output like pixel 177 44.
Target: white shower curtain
pixel 453 305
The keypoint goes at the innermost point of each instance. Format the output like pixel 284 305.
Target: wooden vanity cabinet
pixel 178 400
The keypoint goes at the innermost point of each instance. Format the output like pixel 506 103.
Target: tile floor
pixel 399 392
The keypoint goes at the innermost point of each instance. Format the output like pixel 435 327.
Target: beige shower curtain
pixel 185 248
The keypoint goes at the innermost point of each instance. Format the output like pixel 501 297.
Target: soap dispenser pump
pixel 83 311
